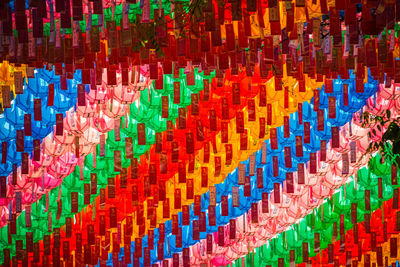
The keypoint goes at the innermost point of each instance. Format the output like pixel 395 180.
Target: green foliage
pixel 391 137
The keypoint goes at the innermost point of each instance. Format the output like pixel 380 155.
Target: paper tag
pixel 274 138
pixel 269 114
pixel 260 178
pixel 224 206
pixel 277 194
pixel 212 196
pixel 299 146
pixel 204 177
pixel 20 141
pixel 111 188
pixel 247 187
pixel 239 122
pixel 300 173
pixel 307 132
pixel 345 164
pixel 289 183
pixel 275 166
pixel 195 104
pixel 74 202
pixel 335 137
pixel 18 82
pixel 241 174
pixel 209 243
pixel 300 112
pixel 262 128
pixel 6 96
pixel 288 157
pixel 345 94
pixel 189 189
pixel 164 107
pixel 332 107
pixel 236 94
pixel 37 109
pixel 185 215
pixel 313 163
pixel 320 120
pixel 211 216
pixel 232 229
pixel 235 196
pixel 202 222
pixel 197 205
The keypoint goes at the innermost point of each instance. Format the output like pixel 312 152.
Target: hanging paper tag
pixel 204 177
pixel 277 193
pixel 335 137
pixel 275 166
pixel 6 95
pixel 274 138
pixel 3 152
pixel 332 107
pixel 195 104
pixel 224 206
pixel 299 146
pixel 286 127
pixel 232 229
pixel 313 163
pixel 260 178
pixel 164 106
pixel 141 132
pixel 320 120
pixel 247 187
pixel 185 215
pixel 300 173
pixel 264 153
pixel 37 109
pixel 177 92
pixel 74 202
pixel 211 216
pixel 252 165
pixel 289 183
pixel 189 189
pixel 300 112
pixel 251 110
pixel 212 196
pixel 20 141
pixel 209 243
pixel 197 205
pixel 28 222
pixel 102 145
pixel 24 163
pixel 202 222
pixel 345 163
pixel 18 82
pixel 235 196
pixel 242 173
pixel 262 128
pixel 111 188
pixel 269 114
pixel 307 132
pixel 288 157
